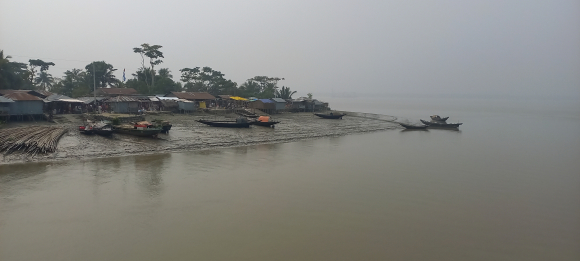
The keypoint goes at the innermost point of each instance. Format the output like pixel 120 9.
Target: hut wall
pixel 124 107
pixel 26 107
pixel 186 106
pixel 280 105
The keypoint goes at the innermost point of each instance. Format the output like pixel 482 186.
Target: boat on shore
pixel 264 121
pixel 432 124
pixel 140 129
pixel 103 129
pixel 227 124
pixel 330 115
pixel 165 125
pixel 86 129
pixel 413 127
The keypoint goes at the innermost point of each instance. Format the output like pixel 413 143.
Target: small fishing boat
pixel 432 124
pixel 239 123
pixel 165 125
pixel 87 129
pixel 330 115
pixel 103 129
pixel 438 118
pixel 413 127
pixel 264 121
pixel 141 129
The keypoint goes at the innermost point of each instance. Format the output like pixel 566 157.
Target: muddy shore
pixel 187 135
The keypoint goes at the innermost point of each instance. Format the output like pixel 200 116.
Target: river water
pixel 504 187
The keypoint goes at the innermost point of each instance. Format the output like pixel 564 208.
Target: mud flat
pixel 187 134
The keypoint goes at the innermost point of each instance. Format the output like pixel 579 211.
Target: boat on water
pixel 103 129
pixel 432 124
pixel 165 125
pixel 141 129
pixel 413 127
pixel 438 118
pixel 264 121
pixel 330 115
pixel 238 123
pixel 86 129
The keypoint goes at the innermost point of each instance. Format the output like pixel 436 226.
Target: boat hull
pixel 226 124
pixel 328 116
pixel 413 127
pixel 265 124
pixel 148 132
pixel 441 125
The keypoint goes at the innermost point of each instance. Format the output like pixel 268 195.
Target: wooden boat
pixel 226 124
pixel 103 129
pixel 413 127
pixel 329 116
pixel 87 129
pixel 264 121
pixel 432 124
pixel 141 129
pixel 164 125
pixel 438 118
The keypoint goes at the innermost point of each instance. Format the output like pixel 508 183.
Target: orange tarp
pixel 264 119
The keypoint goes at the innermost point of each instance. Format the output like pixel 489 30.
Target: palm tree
pixel 44 80
pixel 285 93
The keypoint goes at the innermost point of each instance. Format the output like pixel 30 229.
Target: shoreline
pixel 188 135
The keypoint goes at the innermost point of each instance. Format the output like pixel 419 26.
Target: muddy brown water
pixel 481 193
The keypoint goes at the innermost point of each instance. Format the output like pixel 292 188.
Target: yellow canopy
pixel 237 98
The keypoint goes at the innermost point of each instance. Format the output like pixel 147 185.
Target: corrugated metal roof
pixel 193 95
pixel 4 99
pixel 278 100
pixel 224 96
pixel 266 100
pixel 122 99
pixel 118 91
pixel 21 96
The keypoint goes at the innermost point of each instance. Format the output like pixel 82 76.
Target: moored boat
pixel 164 125
pixel 330 115
pixel 432 124
pixel 227 124
pixel 264 121
pixel 103 129
pixel 86 129
pixel 438 118
pixel 413 127
pixel 141 129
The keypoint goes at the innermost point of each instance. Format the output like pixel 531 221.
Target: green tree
pixel 13 75
pixel 44 80
pixel 206 79
pixel 153 53
pixel 260 86
pixel 285 93
pixel 309 95
pixel 103 74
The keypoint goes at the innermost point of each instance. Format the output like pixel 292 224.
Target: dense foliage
pixel 146 80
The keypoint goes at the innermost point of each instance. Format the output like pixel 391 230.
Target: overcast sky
pixel 472 48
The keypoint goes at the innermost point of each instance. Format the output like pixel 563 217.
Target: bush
pixel 116 121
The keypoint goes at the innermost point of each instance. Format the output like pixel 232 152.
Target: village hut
pixel 202 99
pixel 280 104
pixel 114 92
pixel 123 104
pixel 63 104
pixel 24 105
pixel 265 105
pixel 5 108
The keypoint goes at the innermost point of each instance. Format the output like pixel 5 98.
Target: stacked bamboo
pixel 30 140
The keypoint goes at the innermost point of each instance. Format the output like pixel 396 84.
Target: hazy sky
pixel 474 48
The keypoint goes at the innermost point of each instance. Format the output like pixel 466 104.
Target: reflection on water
pixel 482 193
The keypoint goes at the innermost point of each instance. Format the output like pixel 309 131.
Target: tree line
pixel 146 80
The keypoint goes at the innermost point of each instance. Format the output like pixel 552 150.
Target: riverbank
pixel 189 135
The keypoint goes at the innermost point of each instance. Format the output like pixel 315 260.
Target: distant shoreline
pixel 188 135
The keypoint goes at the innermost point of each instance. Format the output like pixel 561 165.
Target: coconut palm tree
pixel 285 93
